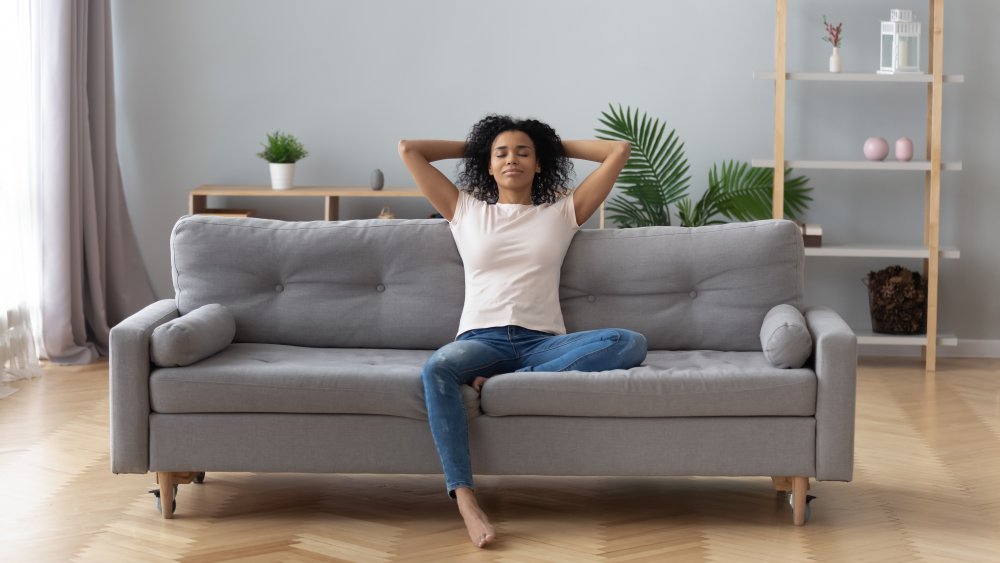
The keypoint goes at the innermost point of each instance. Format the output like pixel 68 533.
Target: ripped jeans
pixel 490 351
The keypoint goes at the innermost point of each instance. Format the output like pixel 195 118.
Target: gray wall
pixel 199 83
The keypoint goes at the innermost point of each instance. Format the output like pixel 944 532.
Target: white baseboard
pixel 966 349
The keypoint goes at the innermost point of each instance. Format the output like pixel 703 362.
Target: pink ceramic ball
pixel 876 148
pixel 904 149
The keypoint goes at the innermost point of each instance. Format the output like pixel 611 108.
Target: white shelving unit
pixel 877 251
pixel 868 337
pixel 912 166
pixel 857 77
pixel 932 166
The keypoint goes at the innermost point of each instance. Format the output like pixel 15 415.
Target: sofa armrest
pixel 129 386
pixel 835 358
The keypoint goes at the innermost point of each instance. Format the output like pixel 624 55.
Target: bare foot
pixel 478 384
pixel 481 532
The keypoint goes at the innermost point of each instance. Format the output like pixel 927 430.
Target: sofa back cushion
pixel 704 288
pixel 400 284
pixel 348 284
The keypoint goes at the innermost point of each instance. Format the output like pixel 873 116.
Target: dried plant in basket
pixel 898 301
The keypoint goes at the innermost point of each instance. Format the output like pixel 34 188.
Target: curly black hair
pixel 548 186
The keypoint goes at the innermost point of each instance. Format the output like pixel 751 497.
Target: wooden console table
pixel 198 200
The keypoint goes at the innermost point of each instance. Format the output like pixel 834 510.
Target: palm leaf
pixel 656 174
pixel 741 192
pixel 703 212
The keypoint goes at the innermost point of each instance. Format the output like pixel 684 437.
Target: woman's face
pixel 513 161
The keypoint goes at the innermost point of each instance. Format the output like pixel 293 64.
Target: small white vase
pixel 904 149
pixel 835 60
pixel 282 175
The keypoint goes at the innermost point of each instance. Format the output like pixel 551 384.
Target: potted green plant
pixel 282 151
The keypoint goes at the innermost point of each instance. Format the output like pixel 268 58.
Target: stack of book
pixel 812 234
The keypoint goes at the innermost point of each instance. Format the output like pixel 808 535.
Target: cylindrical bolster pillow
pixel 192 337
pixel 785 338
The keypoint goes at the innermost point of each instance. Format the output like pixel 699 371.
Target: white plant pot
pixel 282 175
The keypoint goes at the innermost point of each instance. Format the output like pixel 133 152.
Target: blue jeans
pixel 489 351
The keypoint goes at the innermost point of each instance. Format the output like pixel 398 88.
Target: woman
pixel 512 221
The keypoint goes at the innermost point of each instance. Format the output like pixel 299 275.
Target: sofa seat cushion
pixel 667 384
pixel 275 378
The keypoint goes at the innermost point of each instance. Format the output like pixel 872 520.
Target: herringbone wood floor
pixel 926 488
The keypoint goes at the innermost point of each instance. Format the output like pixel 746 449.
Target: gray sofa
pixel 335 319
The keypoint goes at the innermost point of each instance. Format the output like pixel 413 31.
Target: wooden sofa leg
pixel 166 481
pixel 782 484
pixel 800 486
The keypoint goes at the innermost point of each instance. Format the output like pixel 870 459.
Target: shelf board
pixel 857 77
pixel 304 191
pixel 879 251
pixel 918 165
pixel 866 336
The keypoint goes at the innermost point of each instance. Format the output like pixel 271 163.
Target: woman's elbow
pixel 402 147
pixel 624 148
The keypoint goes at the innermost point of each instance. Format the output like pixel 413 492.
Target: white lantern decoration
pixel 900 43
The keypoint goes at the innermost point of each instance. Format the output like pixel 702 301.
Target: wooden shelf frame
pixel 198 198
pixel 931 167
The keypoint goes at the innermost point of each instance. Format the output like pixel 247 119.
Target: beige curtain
pixel 92 273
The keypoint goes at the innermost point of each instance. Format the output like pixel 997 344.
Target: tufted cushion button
pixel 380 288
pixel 591 299
pixel 693 294
pixel 279 288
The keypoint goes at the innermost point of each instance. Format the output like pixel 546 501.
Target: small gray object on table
pixel 377 179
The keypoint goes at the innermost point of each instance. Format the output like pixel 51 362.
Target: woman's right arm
pixel 436 187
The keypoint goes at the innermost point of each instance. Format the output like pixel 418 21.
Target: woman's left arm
pixel 595 188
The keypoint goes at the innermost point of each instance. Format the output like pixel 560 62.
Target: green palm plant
pixel 740 192
pixel 656 177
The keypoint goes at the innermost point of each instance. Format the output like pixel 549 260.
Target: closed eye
pixel 523 150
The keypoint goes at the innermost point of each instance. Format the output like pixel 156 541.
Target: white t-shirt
pixel 513 256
